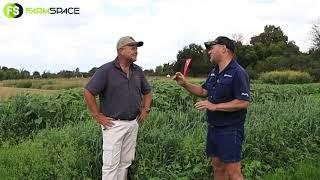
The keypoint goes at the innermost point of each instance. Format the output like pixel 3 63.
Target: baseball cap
pixel 222 40
pixel 128 40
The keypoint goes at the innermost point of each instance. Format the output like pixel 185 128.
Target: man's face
pixel 215 52
pixel 130 52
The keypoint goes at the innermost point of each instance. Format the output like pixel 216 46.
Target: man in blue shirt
pixel 228 92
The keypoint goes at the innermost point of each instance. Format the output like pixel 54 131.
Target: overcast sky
pixel 57 42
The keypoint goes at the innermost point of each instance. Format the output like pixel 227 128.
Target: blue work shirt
pixel 230 84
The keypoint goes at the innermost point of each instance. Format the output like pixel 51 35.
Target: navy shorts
pixel 225 143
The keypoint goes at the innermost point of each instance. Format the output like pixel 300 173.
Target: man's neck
pixel 224 63
pixel 125 64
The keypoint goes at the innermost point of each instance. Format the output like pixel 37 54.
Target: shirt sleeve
pixel 97 82
pixel 145 86
pixel 241 86
pixel 204 85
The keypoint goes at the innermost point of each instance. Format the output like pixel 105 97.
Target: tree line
pixel 12 73
pixel 267 51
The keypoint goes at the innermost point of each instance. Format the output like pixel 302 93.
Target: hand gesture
pixel 179 77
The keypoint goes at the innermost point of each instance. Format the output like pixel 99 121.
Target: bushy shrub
pixel 286 77
pixel 26 84
pixel 24 115
pixel 72 152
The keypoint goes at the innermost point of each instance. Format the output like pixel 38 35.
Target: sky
pixel 64 42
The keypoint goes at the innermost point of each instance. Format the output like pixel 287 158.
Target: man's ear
pixel 120 50
pixel 225 49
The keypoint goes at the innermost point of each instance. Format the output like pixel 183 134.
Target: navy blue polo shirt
pixel 232 83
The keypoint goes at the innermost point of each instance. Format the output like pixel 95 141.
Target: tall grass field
pixel 54 137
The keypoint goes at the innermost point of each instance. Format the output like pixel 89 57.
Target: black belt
pixel 122 119
pixel 223 127
pixel 213 126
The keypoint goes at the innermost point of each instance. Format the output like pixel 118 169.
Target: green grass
pixel 43 137
pixel 63 83
pixel 59 153
pixel 49 84
pixel 285 77
pixel 7 92
pixel 306 170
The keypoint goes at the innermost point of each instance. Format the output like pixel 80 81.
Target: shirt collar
pixel 117 65
pixel 232 64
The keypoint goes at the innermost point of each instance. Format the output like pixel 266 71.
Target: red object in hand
pixel 186 66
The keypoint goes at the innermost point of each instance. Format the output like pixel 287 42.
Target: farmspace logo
pixel 15 10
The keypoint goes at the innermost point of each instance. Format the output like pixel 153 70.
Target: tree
pixel 237 38
pixel 47 74
pixel 148 72
pixel 92 71
pixel 316 35
pixel 200 60
pixel 292 48
pixel 36 74
pixel 271 34
pixel 159 70
pixel 167 69
pixel 66 74
pixel 77 73
pixel 24 74
pixel 2 75
pixel 4 68
pixel 245 54
pixel 315 39
pixel 12 73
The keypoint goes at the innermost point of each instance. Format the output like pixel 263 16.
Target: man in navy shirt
pixel 228 92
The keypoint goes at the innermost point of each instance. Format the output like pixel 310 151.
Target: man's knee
pixel 125 164
pixel 111 157
pixel 127 158
pixel 234 170
pixel 217 165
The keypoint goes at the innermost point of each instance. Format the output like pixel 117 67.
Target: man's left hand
pixel 205 105
pixel 142 116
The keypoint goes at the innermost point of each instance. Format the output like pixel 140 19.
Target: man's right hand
pixel 179 77
pixel 104 120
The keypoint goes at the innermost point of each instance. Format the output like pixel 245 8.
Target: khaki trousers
pixel 119 144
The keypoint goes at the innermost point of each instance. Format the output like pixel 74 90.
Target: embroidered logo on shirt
pixel 245 94
pixel 227 75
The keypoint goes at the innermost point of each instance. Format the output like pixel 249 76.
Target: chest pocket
pixel 224 88
pixel 211 86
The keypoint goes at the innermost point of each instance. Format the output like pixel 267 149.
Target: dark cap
pixel 222 40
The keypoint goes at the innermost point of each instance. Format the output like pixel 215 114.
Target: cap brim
pixel 138 43
pixel 209 44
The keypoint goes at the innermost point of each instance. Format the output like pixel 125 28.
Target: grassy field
pixel 54 137
pixel 9 88
pixel 6 92
pixel 56 84
pixel 306 170
pixel 50 84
